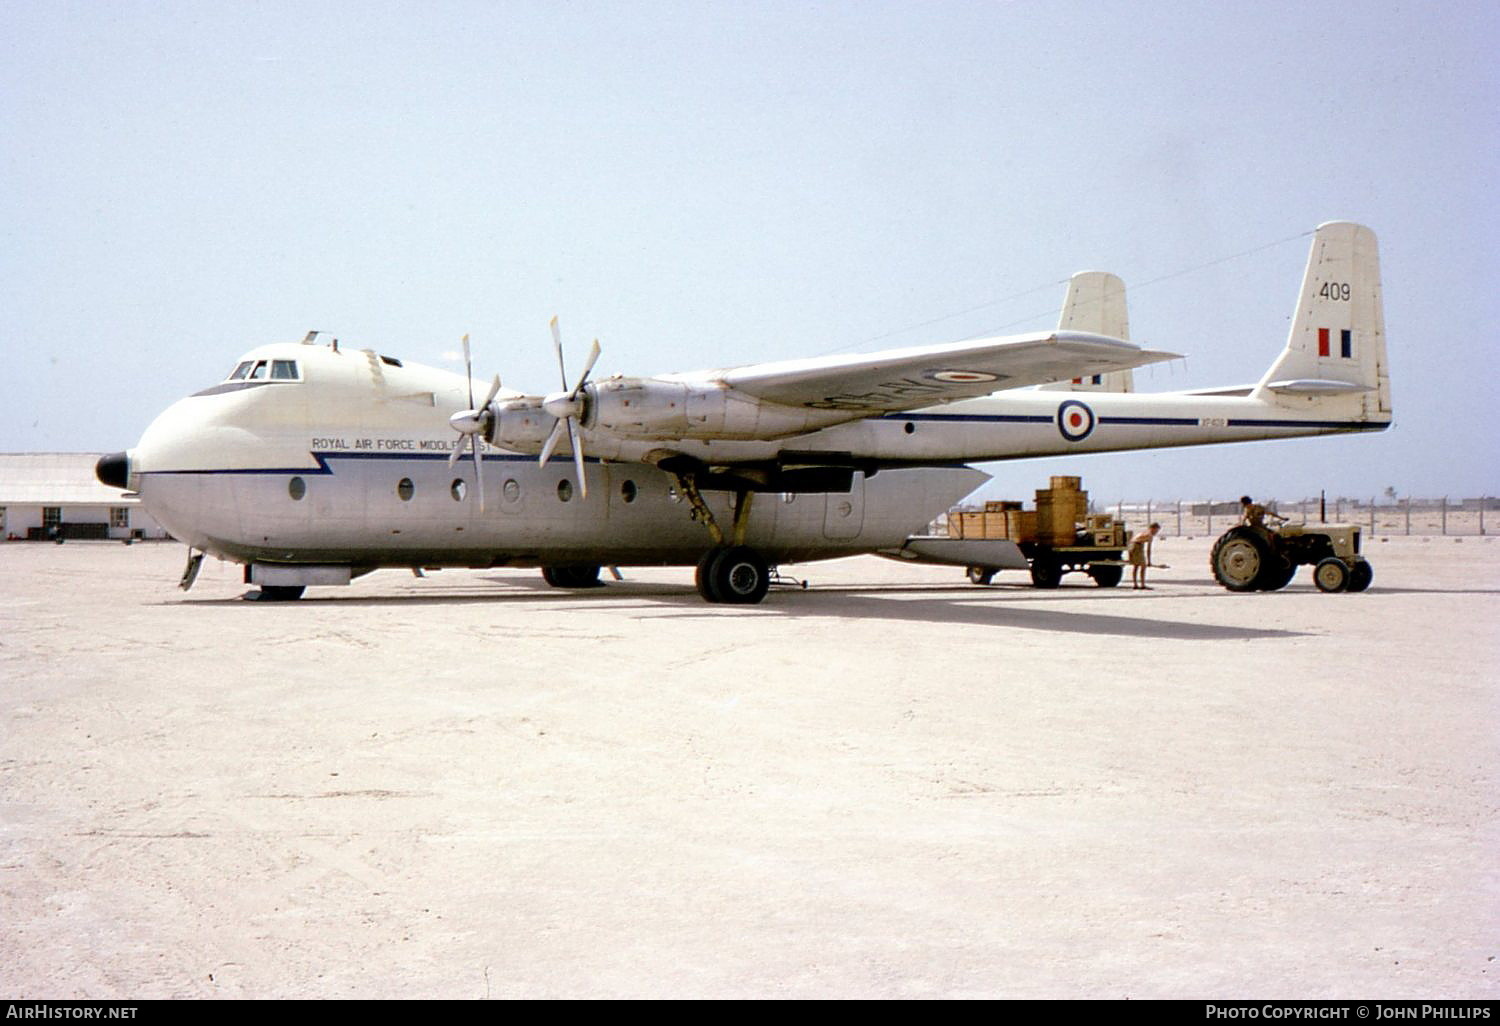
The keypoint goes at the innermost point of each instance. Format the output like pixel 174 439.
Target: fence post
pixel 1372 516
pixel 1179 518
pixel 1210 518
pixel 1407 503
pixel 1444 508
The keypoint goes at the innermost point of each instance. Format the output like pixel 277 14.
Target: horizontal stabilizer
pixel 1317 386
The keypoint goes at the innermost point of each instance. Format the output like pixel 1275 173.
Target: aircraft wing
pixel 907 379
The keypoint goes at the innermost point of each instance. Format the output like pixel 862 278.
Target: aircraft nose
pixel 114 470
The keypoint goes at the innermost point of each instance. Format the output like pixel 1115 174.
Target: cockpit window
pixel 259 372
pixel 238 374
pixel 284 370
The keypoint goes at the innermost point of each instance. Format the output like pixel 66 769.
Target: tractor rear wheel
pixel 1239 559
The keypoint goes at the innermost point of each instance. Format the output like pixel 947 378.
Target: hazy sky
pixel 706 184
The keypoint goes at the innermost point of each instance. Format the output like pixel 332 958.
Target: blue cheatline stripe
pixel 1016 418
pixel 1169 421
pixel 990 418
pixel 1351 425
pixel 324 457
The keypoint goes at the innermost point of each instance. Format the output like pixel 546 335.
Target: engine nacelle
pixel 520 425
pixel 661 408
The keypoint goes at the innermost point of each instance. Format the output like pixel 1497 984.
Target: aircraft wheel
pixel 1332 574
pixel 980 575
pixel 1360 575
pixel 1106 576
pixel 704 577
pixel 1238 559
pixel 280 593
pixel 583 575
pixel 1046 572
pixel 740 576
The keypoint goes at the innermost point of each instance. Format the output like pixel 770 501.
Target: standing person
pixel 1140 556
pixel 1253 514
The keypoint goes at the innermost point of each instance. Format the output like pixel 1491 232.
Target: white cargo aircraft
pixel 313 465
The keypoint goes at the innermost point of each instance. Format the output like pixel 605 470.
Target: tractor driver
pixel 1253 514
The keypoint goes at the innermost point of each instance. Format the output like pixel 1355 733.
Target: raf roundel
pixel 962 377
pixel 1075 420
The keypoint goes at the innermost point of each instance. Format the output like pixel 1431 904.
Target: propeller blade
pixel 557 345
pixel 577 443
pixel 478 470
pixel 458 450
pixel 468 370
pixel 494 391
pixel 552 440
pixel 593 358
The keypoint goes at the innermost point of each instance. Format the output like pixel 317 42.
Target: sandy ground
pixel 893 784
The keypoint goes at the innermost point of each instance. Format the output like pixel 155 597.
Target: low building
pixel 55 495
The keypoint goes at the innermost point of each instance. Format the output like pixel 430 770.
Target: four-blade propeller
pixel 569 407
pixel 472 424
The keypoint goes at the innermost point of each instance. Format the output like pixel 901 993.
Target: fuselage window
pixel 458 489
pixel 259 372
pixel 565 489
pixel 512 489
pixel 238 374
pixel 628 491
pixel 296 488
pixel 405 489
pixel 283 370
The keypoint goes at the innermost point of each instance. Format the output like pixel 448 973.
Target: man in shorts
pixel 1140 556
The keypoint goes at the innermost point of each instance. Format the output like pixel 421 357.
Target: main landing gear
pixel 731 572
pixel 734 576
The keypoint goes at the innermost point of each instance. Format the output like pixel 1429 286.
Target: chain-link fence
pixel 1389 516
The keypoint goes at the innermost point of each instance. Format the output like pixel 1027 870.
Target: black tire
pixel 1046 571
pixel 579 575
pixel 1278 573
pixel 1360 575
pixel 1239 558
pixel 704 577
pixel 740 576
pixel 1331 574
pixel 1106 576
pixel 980 575
pixel 280 592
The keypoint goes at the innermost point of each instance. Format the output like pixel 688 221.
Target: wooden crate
pixel 1020 525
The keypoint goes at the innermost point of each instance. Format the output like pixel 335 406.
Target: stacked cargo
pixel 1059 511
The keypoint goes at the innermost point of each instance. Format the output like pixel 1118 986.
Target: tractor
pixel 1253 558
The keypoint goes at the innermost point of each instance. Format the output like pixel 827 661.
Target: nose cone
pixel 114 470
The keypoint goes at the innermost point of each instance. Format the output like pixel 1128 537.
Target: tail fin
pixel 1335 352
pixel 1096 303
